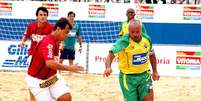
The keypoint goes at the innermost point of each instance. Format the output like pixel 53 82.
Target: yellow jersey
pixel 133 56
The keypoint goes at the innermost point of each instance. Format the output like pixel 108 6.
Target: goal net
pixel 91 31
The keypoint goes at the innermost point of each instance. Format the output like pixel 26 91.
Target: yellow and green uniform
pixel 134 78
pixel 124 29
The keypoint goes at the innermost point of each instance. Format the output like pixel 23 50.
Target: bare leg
pixel 32 98
pixel 65 97
pixel 150 96
pixel 70 62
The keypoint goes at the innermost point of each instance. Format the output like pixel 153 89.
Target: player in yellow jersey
pixel 134 52
pixel 130 13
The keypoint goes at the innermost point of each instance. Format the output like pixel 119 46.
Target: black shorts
pixel 67 54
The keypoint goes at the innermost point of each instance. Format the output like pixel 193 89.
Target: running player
pixel 42 77
pixel 134 51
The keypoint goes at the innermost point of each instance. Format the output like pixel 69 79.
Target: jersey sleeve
pixel 27 32
pixel 47 49
pixel 144 32
pixel 145 35
pixel 148 40
pixel 121 29
pixel 120 44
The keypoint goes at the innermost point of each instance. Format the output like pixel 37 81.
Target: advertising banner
pixel 13 57
pixel 6 9
pixel 103 11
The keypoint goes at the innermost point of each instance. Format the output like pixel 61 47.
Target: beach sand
pixel 93 87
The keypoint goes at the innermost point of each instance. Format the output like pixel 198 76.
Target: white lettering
pixel 37 38
pixel 188 61
pixel 50 50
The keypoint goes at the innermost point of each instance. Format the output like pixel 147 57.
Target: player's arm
pixel 58 66
pixel 80 43
pixel 49 53
pixel 22 43
pixel 79 38
pixel 108 63
pixel 153 63
pixel 119 45
pixel 152 57
pixel 121 29
pixel 25 36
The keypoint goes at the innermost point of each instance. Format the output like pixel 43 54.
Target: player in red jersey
pixel 42 78
pixel 38 29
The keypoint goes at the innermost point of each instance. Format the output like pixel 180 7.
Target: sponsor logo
pixel 139 59
pixel 37 38
pixel 72 33
pixel 103 59
pixel 96 11
pixel 145 12
pixel 17 57
pixel 163 60
pixel 191 13
pixel 50 51
pixel 53 9
pixel 6 9
pixel 188 60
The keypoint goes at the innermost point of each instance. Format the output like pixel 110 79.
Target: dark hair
pixel 71 12
pixel 62 22
pixel 42 9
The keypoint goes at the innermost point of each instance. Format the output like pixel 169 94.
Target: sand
pixel 91 87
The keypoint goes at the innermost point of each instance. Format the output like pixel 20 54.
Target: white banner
pixel 13 57
pixel 103 11
pixel 97 57
pixel 171 60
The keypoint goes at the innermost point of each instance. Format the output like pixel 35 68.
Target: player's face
pixel 64 33
pixel 135 33
pixel 71 18
pixel 130 14
pixel 42 16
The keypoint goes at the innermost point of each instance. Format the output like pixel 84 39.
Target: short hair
pixel 71 12
pixel 133 21
pixel 62 22
pixel 130 10
pixel 44 9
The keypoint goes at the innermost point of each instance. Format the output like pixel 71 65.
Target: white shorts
pixel 54 91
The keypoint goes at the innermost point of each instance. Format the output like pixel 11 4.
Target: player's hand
pixel 155 76
pixel 22 44
pixel 107 72
pixel 76 68
pixel 61 47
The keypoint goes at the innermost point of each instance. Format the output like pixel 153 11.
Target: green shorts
pixel 135 86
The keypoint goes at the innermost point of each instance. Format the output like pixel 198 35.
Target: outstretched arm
pixel 58 66
pixel 109 59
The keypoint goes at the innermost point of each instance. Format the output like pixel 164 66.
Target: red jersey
pixel 37 33
pixel 47 49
